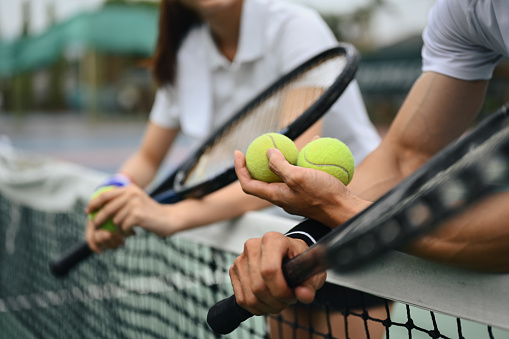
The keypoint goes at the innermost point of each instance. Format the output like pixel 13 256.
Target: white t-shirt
pixel 465 39
pixel 275 37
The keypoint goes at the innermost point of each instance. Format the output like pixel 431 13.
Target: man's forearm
pixel 476 239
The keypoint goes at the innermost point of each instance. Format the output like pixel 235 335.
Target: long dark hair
pixel 175 21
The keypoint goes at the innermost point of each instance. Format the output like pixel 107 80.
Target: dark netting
pixel 154 288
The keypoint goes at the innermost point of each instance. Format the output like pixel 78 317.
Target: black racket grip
pixel 66 261
pixel 226 315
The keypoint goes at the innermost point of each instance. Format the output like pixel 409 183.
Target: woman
pixel 211 58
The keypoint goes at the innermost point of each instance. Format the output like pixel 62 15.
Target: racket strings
pixel 275 111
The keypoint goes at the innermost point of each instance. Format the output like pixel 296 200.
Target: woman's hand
pixel 128 207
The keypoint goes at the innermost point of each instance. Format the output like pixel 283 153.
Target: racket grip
pixel 226 315
pixel 61 265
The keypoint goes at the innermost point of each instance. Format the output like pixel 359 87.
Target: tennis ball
pixel 329 155
pixel 108 225
pixel 257 162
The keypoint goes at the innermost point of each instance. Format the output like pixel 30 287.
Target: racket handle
pixel 61 265
pixel 226 315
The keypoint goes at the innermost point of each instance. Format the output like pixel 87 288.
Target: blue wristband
pixel 118 179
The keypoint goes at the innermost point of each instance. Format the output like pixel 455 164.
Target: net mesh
pixel 153 288
pixel 163 288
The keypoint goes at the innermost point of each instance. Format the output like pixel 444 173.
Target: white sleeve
pixel 304 35
pixel 164 111
pixel 300 37
pixel 453 41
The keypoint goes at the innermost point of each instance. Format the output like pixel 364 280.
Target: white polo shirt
pixel 465 39
pixel 275 37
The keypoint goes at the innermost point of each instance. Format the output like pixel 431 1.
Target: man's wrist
pixel 309 231
pixel 346 209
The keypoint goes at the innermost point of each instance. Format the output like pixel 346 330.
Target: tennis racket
pixel 289 106
pixel 460 175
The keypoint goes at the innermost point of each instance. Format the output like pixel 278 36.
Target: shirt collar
pixel 250 40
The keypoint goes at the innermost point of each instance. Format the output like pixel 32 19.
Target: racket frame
pixel 312 114
pixel 171 190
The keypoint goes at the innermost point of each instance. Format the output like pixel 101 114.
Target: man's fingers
pixel 248 184
pixel 278 163
pixel 250 289
pixel 274 248
pixel 240 278
pixel 240 165
pixel 305 292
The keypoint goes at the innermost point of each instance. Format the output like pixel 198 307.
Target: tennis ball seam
pixel 323 165
pixel 273 141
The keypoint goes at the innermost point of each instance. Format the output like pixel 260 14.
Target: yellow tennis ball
pixel 329 155
pixel 257 162
pixel 108 225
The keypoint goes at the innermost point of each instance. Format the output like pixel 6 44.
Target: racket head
pixel 315 85
pixel 462 174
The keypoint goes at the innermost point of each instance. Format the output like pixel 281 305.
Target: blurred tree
pixel 22 82
pixel 56 73
pixel 357 27
pixel 82 63
pixel 364 18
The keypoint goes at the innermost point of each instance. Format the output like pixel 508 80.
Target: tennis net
pixel 163 288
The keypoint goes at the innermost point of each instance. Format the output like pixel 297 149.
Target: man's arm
pixel 437 111
pixel 476 239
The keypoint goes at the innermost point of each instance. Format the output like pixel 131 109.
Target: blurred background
pixel 73 83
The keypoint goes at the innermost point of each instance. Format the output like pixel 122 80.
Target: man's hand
pixel 304 191
pixel 257 275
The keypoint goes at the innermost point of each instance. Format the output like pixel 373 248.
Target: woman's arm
pixel 131 206
pixel 227 203
pixel 143 165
